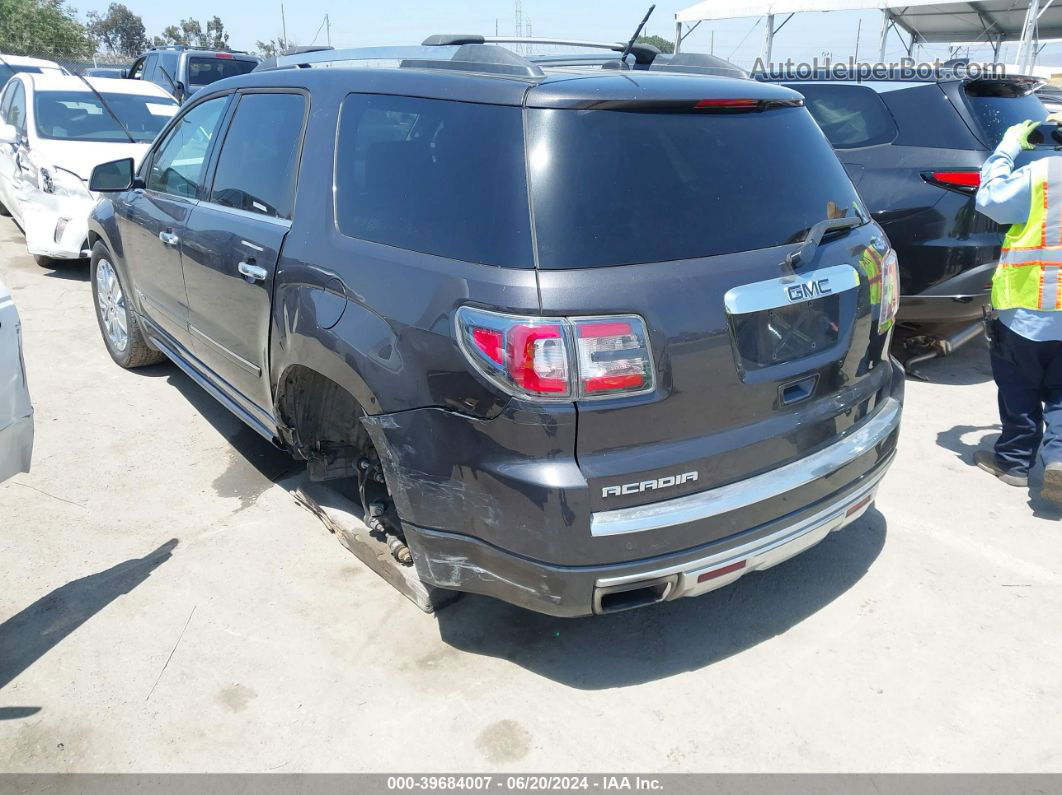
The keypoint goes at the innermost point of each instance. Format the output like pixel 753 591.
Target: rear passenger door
pixel 234 239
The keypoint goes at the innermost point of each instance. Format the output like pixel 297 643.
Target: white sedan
pixel 16 412
pixel 54 129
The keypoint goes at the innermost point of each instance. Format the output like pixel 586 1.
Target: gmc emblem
pixel 809 290
pixel 649 485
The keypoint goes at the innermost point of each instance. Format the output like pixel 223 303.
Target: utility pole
pixel 495 26
pixel 283 26
pixel 711 48
pixel 328 30
pixel 519 24
pixel 859 29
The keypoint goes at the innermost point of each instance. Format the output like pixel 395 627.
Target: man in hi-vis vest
pixel 1026 336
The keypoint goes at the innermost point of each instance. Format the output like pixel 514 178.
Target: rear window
pixel 997 106
pixel 850 116
pixel 7 70
pixel 434 176
pixel 614 187
pixel 206 70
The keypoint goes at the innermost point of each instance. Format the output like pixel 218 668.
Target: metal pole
pixel 678 36
pixel 711 49
pixel 768 38
pixel 328 30
pixel 1026 28
pixel 859 29
pixel 886 23
pixel 283 26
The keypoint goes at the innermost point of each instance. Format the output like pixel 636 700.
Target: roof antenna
pixel 627 49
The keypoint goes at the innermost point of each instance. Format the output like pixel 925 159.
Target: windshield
pixel 614 187
pixel 203 71
pixel 996 108
pixel 79 116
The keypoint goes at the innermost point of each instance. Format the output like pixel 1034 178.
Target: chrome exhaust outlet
pixel 616 598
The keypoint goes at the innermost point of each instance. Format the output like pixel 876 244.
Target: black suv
pixel 585 337
pixel 914 148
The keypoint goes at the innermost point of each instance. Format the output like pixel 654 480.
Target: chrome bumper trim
pixel 762 553
pixel 706 504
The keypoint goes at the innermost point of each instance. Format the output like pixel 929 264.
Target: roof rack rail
pixel 697 63
pixel 643 53
pixel 475 57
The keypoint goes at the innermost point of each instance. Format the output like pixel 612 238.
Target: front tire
pixel 118 323
pixel 43 261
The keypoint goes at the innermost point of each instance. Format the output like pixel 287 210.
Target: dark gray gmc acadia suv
pixel 585 335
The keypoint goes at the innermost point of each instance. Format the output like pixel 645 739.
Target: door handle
pixel 253 272
pixel 169 238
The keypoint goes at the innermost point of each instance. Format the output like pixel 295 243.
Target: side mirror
pixel 114 176
pixel 8 134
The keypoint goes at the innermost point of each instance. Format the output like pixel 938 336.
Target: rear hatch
pixel 996 104
pixel 682 210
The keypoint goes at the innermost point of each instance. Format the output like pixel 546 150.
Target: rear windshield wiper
pixel 806 252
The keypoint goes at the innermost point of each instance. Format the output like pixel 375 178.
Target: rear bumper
pixel 16 447
pixel 460 562
pixel 957 299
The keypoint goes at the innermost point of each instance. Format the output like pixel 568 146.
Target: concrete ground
pixel 167 607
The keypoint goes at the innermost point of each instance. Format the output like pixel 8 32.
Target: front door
pixel 233 241
pixel 153 218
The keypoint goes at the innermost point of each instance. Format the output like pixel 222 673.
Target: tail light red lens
pixel 537 359
pixel 531 357
pixel 963 181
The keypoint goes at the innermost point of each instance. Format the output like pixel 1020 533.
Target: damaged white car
pixel 54 129
pixel 16 412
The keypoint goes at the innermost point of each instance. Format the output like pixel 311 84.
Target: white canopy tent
pixel 990 22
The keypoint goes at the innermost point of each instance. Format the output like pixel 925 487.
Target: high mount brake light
pixel 727 104
pixel 558 358
pixel 223 55
pixel 962 181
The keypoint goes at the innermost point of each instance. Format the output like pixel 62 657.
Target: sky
pixel 360 23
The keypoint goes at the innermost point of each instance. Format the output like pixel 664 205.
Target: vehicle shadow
pixel 74 270
pixel 33 632
pixel 255 465
pixel 664 640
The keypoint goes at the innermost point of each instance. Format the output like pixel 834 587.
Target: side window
pixel 5 102
pixel 435 176
pixel 16 111
pixel 149 67
pixel 259 157
pixel 850 116
pixel 136 71
pixel 177 167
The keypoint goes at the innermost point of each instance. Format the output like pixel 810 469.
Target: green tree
pixel 271 48
pixel 119 30
pixel 44 28
pixel 659 42
pixel 190 33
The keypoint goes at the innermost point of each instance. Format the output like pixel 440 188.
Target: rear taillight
pixel 558 358
pixel 962 181
pixel 223 55
pixel 890 291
